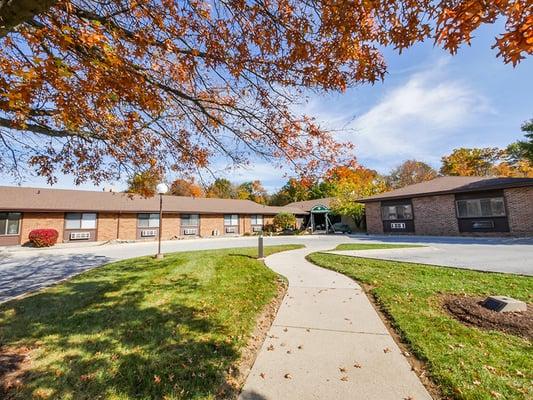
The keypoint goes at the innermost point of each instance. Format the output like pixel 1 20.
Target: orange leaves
pixel 121 85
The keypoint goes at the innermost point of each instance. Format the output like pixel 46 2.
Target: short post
pixel 260 253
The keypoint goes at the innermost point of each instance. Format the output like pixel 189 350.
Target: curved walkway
pixel 327 342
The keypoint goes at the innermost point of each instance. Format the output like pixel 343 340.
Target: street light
pixel 161 189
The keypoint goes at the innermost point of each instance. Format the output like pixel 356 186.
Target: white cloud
pixel 419 118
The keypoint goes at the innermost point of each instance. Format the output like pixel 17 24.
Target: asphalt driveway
pixel 27 270
pixel 516 258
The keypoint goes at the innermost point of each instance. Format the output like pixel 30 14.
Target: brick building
pixel 101 216
pixel 455 205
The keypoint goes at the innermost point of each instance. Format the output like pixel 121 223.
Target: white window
pixel 190 220
pixel 80 221
pixel 256 219
pixel 403 211
pixel 231 220
pixel 148 220
pixel 479 208
pixel 9 223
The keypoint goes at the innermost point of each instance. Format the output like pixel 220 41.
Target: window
pixel 479 208
pixel 257 219
pixel 231 220
pixel 80 221
pixel 403 211
pixel 148 220
pixel 190 220
pixel 9 224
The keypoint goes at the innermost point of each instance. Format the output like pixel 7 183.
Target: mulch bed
pixel 469 311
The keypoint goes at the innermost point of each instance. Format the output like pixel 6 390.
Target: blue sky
pixel 429 103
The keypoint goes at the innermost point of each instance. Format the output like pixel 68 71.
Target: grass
pixel 372 246
pixel 466 362
pixel 141 328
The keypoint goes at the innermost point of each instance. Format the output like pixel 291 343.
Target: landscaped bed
pixel 140 328
pixel 465 362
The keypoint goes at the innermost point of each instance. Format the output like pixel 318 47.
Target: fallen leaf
pixel 344 378
pixel 157 379
pixel 270 347
pixel 288 352
pixel 496 395
pixel 386 350
pixel 300 347
pixel 342 369
pixel 262 375
pixel 477 383
pixel 285 330
pixel 288 376
pixel 357 365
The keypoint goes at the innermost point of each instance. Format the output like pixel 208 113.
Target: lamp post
pixel 161 189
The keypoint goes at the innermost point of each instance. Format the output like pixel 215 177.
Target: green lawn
pixel 372 246
pixel 141 328
pixel 467 363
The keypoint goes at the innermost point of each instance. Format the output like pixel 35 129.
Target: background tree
pixel 409 173
pixel 253 191
pixel 358 183
pixel 93 88
pixel 523 149
pixel 186 187
pixel 471 162
pixel 144 183
pixel 221 188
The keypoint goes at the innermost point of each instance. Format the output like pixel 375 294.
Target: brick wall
pixel 520 210
pixel 128 227
pixel 210 222
pixel 435 215
pixel 107 226
pixel 171 226
pixel 33 220
pixel 374 224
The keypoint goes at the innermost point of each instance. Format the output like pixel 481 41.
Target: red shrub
pixel 43 237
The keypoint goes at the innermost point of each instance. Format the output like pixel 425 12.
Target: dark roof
pixel 35 199
pixel 307 205
pixel 451 184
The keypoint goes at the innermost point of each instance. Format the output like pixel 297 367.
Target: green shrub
pixel 284 221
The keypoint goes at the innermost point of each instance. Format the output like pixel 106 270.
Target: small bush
pixel 43 237
pixel 285 221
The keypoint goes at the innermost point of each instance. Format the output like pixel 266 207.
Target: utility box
pixel 504 304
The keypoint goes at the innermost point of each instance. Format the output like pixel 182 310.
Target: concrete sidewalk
pixel 327 342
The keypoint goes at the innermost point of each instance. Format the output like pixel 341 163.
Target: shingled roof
pixel 307 205
pixel 36 199
pixel 451 185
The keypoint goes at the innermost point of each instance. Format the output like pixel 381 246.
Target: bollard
pixel 260 254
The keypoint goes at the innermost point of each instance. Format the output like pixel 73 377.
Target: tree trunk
pixel 15 12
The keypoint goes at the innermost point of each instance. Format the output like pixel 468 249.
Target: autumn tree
pixel 94 88
pixel 222 188
pixel 409 173
pixel 253 191
pixel 356 183
pixel 471 161
pixel 144 183
pixel 186 187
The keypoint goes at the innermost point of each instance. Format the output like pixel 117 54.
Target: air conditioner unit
pixel 397 225
pixel 189 231
pixel 231 229
pixel 148 232
pixel 257 228
pixel 80 235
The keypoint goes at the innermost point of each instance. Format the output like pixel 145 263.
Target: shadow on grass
pixel 93 338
